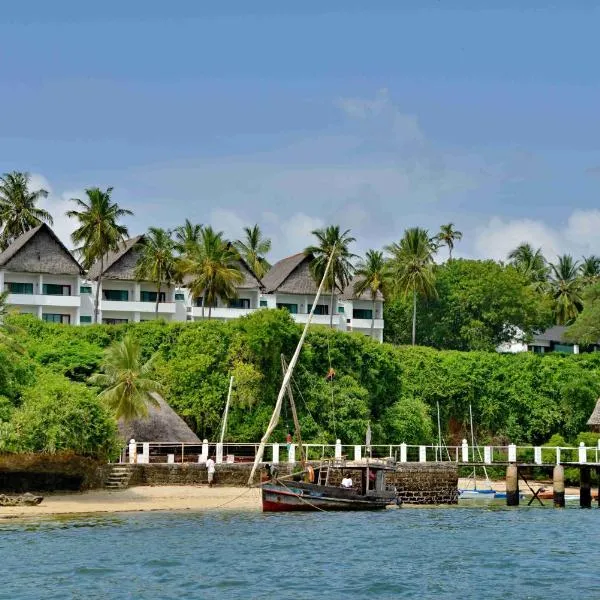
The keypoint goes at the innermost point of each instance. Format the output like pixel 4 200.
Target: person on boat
pixel 288 441
pixel 210 466
pixel 347 481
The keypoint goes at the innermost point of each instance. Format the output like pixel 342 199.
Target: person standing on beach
pixel 210 466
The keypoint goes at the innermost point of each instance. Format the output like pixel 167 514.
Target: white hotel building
pixel 44 279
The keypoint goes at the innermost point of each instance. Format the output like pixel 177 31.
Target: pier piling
pixel 558 484
pixel 512 485
pixel 585 488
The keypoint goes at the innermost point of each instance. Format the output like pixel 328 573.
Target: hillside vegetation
pixel 46 403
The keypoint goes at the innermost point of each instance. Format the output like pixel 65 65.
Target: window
pixel 179 296
pixel 199 303
pixel 563 348
pixel 341 310
pixel 114 321
pixel 263 304
pixel 55 318
pixel 85 289
pixel 55 289
pixel 320 309
pixel 292 308
pixel 119 295
pixel 362 313
pixel 151 296
pixel 85 319
pixel 239 303
pixel 18 288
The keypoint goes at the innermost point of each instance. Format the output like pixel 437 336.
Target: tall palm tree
pixel 157 261
pixel 18 210
pixel 371 277
pixel 589 269
pixel 565 289
pixel 213 265
pixel 99 231
pixel 447 236
pixel 253 249
pixel 126 382
pixel 332 241
pixel 187 235
pixel 531 263
pixel 411 268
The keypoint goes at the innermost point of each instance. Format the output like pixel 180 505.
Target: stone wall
pixel 426 483
pixel 416 483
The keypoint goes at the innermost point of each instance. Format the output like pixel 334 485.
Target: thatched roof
pixel 39 251
pixel 162 424
pixel 594 421
pixel 348 293
pixel 291 275
pixel 251 281
pixel 120 264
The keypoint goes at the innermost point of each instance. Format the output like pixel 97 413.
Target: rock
pixel 23 500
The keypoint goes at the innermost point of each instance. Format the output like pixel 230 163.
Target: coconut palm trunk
pixel 98 286
pixel 331 305
pixel 157 301
pixel 414 323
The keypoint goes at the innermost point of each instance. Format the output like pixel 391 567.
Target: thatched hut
pixel 162 424
pixel 594 420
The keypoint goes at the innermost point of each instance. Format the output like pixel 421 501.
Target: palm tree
pixel 447 236
pixel 253 249
pixel 187 235
pixel 99 231
pixel 332 241
pixel 371 277
pixel 213 265
pixel 411 268
pixel 589 269
pixel 156 262
pixel 127 386
pixel 565 289
pixel 18 210
pixel 531 263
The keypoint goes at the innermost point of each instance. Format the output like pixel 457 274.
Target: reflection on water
pixel 444 554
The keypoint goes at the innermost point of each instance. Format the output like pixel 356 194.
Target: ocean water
pixel 442 553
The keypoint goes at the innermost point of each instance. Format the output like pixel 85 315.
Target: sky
pixel 373 115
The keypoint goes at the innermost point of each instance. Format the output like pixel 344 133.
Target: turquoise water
pixel 408 553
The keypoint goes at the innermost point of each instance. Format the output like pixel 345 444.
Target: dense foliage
pixel 45 404
pixel 478 305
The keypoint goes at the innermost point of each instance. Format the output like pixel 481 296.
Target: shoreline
pixel 140 499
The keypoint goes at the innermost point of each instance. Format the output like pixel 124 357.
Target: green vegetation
pixel 46 405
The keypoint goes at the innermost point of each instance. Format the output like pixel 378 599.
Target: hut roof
pixel 291 275
pixel 162 424
pixel 348 293
pixel 594 420
pixel 251 281
pixel 39 250
pixel 120 264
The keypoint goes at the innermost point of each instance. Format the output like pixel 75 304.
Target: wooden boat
pixel 280 495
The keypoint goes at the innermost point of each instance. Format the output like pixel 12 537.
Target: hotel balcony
pixel 43 300
pixel 164 308
pixel 365 324
pixel 221 312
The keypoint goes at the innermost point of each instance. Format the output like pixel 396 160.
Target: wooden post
pixel 512 485
pixel 558 483
pixel 585 490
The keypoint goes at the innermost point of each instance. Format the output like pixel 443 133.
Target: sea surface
pixel 441 553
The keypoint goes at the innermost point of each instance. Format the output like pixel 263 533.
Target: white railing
pixel 234 452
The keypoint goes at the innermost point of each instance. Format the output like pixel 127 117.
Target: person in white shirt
pixel 347 481
pixel 210 466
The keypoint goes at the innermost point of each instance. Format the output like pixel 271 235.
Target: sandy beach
pixel 143 498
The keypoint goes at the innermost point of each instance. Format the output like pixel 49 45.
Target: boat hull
pixel 304 497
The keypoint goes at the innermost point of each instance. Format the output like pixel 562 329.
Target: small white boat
pixel 474 494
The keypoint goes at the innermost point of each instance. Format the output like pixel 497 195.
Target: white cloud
pixel 499 236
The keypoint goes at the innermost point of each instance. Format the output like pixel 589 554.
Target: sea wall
pixel 416 483
pixel 21 473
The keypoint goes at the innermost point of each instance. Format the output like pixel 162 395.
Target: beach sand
pixel 143 498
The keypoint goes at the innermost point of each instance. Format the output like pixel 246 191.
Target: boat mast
pixel 226 409
pixel 295 416
pixel 439 432
pixel 288 375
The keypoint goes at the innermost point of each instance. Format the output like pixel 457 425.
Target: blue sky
pixel 374 115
